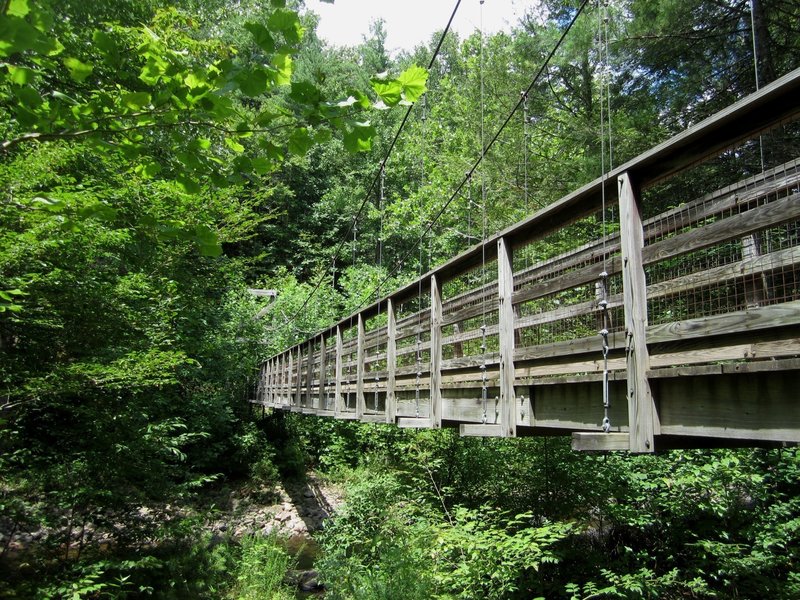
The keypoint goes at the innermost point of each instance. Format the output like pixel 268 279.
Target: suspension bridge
pixel 670 324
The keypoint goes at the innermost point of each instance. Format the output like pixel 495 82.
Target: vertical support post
pixel 309 403
pixel 360 368
pixel 261 386
pixel 289 378
pixel 641 411
pixel 268 386
pixel 505 291
pixel 322 373
pixel 391 361
pixel 278 379
pixel 339 399
pixel 436 354
pixel 299 389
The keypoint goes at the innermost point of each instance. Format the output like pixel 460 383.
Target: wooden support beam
pixel 641 411
pixel 436 354
pixel 373 418
pixel 391 361
pixel 414 423
pixel 270 395
pixel 323 374
pixel 309 372
pixel 505 292
pixel 289 378
pixel 360 402
pixel 338 400
pixel 299 383
pixel 478 430
pixel 279 380
pixel 600 442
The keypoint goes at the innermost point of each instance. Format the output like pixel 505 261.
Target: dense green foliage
pixel 160 157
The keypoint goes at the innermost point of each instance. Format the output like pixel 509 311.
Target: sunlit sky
pixel 411 22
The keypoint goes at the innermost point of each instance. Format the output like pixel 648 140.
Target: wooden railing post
pixel 270 392
pixel 338 406
pixel 309 373
pixel 505 290
pixel 299 389
pixel 360 368
pixel 323 375
pixel 641 411
pixel 278 379
pixel 289 378
pixel 436 354
pixel 261 384
pixel 391 361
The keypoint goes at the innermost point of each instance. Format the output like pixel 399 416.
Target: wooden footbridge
pixel 674 320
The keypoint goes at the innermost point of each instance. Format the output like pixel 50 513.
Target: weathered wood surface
pixel 544 364
pixel 641 411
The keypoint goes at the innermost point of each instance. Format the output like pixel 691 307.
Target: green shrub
pixel 261 571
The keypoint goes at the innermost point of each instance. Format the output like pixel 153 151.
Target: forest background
pixel 159 158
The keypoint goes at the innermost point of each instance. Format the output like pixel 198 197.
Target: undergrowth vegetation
pixel 433 515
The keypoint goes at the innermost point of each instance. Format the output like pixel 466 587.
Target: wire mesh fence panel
pixel 731 253
pixel 564 300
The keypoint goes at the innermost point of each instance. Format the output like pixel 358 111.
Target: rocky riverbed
pixel 293 508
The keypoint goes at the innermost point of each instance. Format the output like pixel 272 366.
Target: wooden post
pixel 391 361
pixel 289 378
pixel 268 388
pixel 436 354
pixel 323 375
pixel 360 368
pixel 505 290
pixel 278 379
pixel 641 412
pixel 299 389
pixel 309 403
pixel 261 386
pixel 338 399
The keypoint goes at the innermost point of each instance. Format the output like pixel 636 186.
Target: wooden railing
pixel 698 307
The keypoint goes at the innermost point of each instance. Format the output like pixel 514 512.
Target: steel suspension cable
pixel 374 182
pixel 488 146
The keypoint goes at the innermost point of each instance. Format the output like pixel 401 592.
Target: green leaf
pixel 413 81
pixel 207 241
pixel 29 97
pixel 252 82
pixel 283 63
pixel 99 211
pixel 17 35
pixel 388 91
pixel 104 42
pixel 274 152
pixel 262 165
pixel 358 137
pixel 288 23
pixel 20 75
pixel 188 185
pixel 18 8
pixel 136 100
pixel 304 92
pixel 194 80
pixel 300 141
pixel 234 145
pixel 9 294
pixel 261 36
pixel 78 70
pixel 152 70
pixel 148 170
